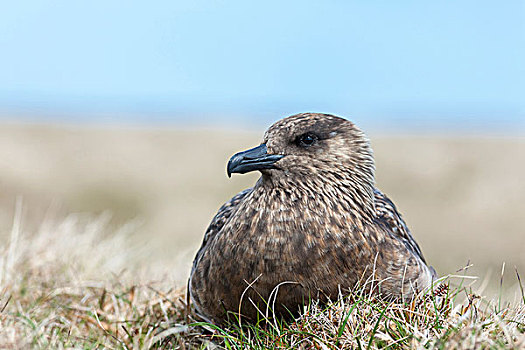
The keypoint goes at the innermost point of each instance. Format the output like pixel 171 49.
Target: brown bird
pixel 313 226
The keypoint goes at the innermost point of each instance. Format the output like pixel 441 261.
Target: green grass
pixel 74 285
pixel 358 321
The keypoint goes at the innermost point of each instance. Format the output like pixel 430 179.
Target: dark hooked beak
pixel 253 159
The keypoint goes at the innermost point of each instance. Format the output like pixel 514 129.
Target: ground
pixel 99 226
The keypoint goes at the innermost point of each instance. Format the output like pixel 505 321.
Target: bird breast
pixel 278 228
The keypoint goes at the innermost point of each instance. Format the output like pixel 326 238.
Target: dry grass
pixel 115 281
pixel 72 284
pixel 463 197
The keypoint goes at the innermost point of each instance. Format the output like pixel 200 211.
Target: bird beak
pixel 253 159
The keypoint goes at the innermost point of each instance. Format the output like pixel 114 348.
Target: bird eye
pixel 306 140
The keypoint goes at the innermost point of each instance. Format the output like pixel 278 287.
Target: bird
pixel 313 226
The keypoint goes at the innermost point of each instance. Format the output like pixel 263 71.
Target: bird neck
pixel 324 195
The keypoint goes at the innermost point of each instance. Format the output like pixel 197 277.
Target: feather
pixel 314 224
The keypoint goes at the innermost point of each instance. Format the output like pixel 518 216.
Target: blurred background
pixel 134 108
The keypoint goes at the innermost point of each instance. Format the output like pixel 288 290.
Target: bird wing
pixel 218 221
pixel 388 215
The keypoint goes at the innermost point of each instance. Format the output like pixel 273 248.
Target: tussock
pixel 78 284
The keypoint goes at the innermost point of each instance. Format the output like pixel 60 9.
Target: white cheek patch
pixel 332 134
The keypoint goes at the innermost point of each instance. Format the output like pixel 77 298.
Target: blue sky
pixel 409 62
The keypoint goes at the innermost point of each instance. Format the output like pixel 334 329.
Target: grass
pixel 433 320
pixel 452 189
pixel 73 284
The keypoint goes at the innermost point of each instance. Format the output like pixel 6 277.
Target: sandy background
pixel 462 197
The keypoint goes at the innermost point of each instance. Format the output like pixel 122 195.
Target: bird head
pixel 309 146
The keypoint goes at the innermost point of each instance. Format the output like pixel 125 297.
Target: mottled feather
pixel 313 225
pixel 396 226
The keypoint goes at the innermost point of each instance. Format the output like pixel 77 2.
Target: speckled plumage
pixel 314 225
